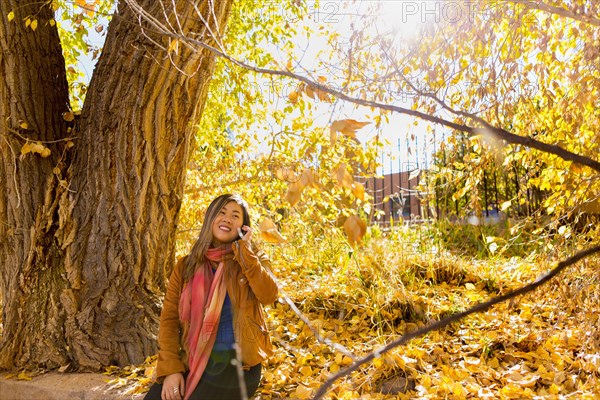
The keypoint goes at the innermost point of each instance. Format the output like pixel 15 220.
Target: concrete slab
pixel 61 386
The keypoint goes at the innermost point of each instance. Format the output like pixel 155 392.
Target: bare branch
pixel 456 317
pixel 337 346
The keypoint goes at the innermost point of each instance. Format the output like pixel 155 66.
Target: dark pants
pixel 219 381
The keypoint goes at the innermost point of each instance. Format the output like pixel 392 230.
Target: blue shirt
pixel 225 337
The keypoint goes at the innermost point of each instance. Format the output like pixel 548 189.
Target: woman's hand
pixel 247 233
pixel 173 387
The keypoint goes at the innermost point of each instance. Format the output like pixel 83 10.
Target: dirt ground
pixel 60 386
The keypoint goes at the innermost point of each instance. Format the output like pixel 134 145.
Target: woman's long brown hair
pixel 205 238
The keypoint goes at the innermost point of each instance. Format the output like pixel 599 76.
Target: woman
pixel 213 306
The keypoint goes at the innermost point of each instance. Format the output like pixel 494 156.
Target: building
pixel 397 196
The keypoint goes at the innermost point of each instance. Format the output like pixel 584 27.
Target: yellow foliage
pixel 37 147
pixel 348 127
pixel 269 232
pixel 355 229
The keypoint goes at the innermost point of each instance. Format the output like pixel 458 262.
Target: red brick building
pixel 397 196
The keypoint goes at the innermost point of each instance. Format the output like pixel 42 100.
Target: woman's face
pixel 226 224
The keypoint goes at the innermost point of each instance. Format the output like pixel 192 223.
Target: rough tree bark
pixel 86 240
pixel 33 90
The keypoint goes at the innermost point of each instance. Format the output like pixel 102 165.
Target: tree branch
pixel 456 317
pixel 563 12
pixel 498 132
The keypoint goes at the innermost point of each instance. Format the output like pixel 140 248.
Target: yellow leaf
pixel 286 174
pixel 553 389
pixel 297 125
pixel 527 381
pixel 358 190
pixel 306 371
pixel 23 376
pixel 355 229
pixel 343 176
pixel 11 16
pixel 505 205
pixel 309 92
pixel 348 126
pixel 68 116
pixel 27 22
pixel 323 96
pixel 309 178
pixel 293 97
pixel 173 46
pixel 26 148
pixel 332 135
pixel 54 5
pixel 23 125
pixel 37 148
pixel 33 25
pixel 294 193
pixel 45 153
pixel 269 232
pixel 576 168
pixel 144 381
pixel 302 392
pixel 52 22
pixel 346 360
pixel 70 144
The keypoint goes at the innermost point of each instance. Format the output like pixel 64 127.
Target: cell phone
pixel 241 232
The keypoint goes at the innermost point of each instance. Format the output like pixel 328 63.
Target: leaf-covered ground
pixel 543 345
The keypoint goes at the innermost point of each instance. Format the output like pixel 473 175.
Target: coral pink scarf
pixel 200 306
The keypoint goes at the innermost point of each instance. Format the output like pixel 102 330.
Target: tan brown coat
pixel 249 284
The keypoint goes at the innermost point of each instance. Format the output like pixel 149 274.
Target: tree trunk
pixel 113 236
pixel 31 107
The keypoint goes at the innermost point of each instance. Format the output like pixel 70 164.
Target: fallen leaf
pixel 302 392
pixel 23 376
pixel 306 371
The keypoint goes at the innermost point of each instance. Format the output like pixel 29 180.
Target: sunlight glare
pixel 404 18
